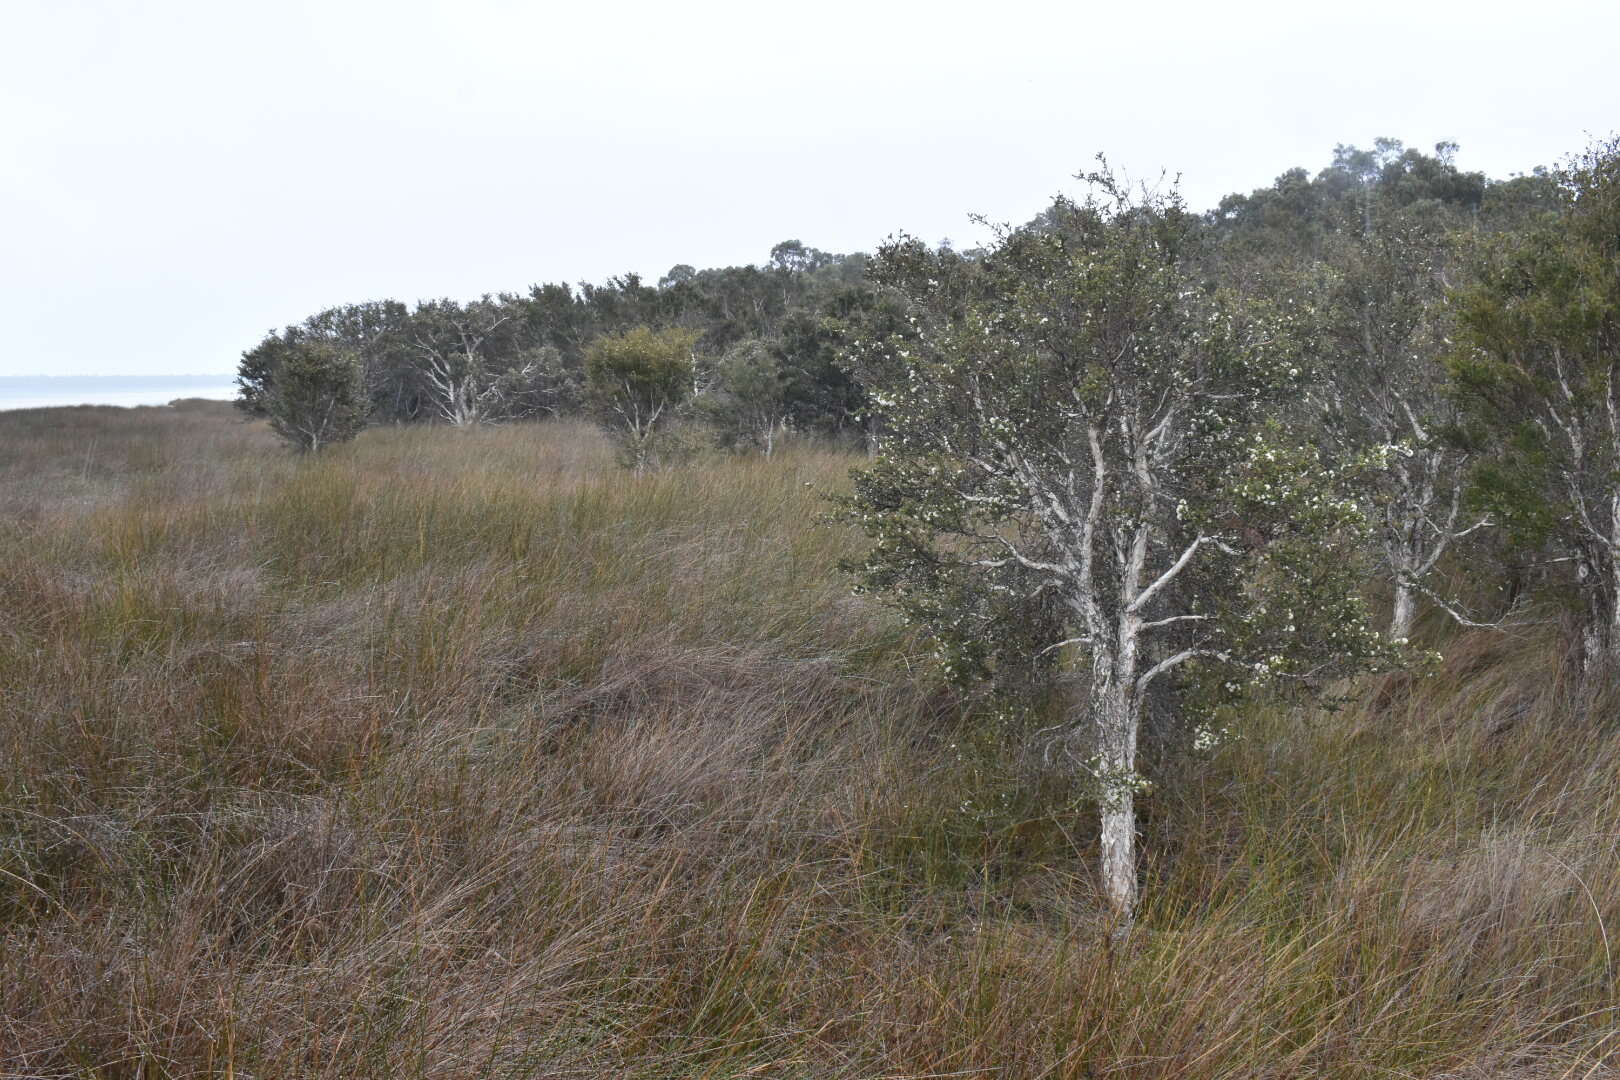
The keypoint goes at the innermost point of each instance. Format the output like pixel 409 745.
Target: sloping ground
pixel 465 754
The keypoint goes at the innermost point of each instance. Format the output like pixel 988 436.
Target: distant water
pixel 45 391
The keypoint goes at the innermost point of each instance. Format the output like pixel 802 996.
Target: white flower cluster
pixel 1269 665
pixel 1206 738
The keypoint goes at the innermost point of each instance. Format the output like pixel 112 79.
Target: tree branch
pixel 1146 596
pixel 1173 661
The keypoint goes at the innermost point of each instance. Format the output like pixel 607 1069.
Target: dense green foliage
pixel 635 382
pixel 1076 380
pixel 1538 362
pixel 318 397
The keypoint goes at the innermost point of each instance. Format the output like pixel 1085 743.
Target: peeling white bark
pixel 1405 611
pixel 1116 721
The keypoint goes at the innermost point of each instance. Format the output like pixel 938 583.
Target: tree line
pixel 751 351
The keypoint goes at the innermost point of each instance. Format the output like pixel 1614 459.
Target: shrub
pixel 318 397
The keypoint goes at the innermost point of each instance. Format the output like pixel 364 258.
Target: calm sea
pixel 43 391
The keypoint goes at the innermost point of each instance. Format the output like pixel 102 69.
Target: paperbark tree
pixel 453 343
pixel 1074 427
pixel 1389 396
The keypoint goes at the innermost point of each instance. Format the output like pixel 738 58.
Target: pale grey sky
pixel 179 176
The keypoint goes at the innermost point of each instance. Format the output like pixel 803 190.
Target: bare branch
pixel 1502 625
pixel 1156 623
pixel 1146 596
pixel 1173 661
pixel 1084 639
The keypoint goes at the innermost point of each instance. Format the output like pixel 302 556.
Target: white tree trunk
pixel 1118 839
pixel 1594 650
pixel 1600 626
pixel 1405 614
pixel 1115 717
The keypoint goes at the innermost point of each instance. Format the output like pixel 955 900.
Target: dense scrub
pixel 465 753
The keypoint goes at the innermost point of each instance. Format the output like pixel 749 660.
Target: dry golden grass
pixel 466 754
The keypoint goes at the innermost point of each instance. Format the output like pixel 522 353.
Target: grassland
pixel 467 754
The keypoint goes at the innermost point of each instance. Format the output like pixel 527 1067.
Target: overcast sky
pixel 179 176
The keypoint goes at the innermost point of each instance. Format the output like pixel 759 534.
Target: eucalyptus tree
pixel 1293 222
pixel 1076 430
pixel 796 257
pixel 1539 359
